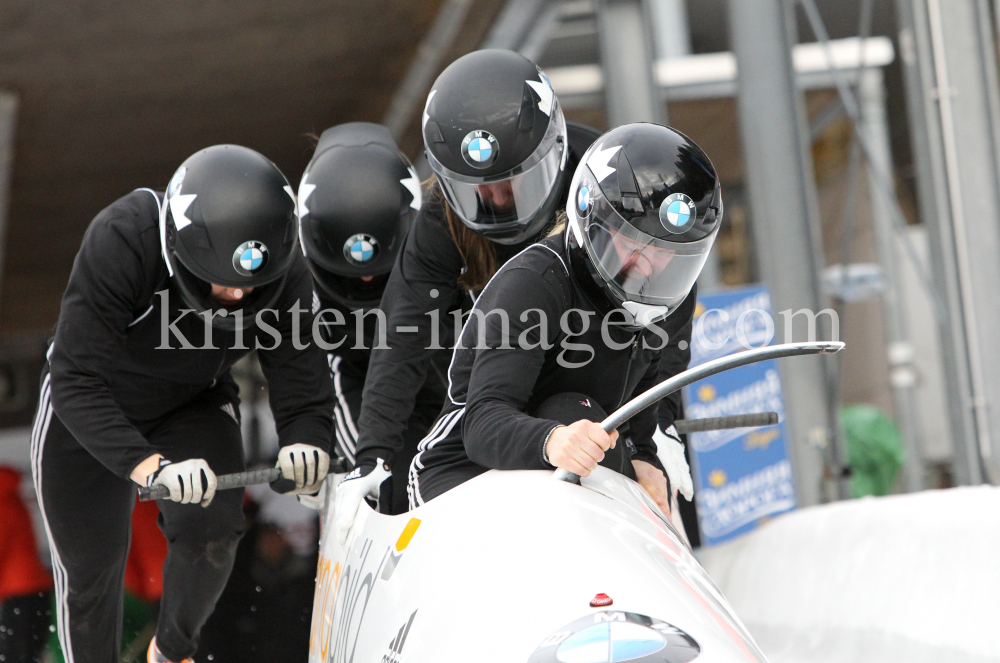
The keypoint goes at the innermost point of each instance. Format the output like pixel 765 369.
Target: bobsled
pixel 514 566
pixel 524 566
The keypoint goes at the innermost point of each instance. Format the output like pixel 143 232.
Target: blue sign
pixel 742 475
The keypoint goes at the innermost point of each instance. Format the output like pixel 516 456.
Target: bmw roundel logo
pixel 678 213
pixel 360 249
pixel 585 198
pixel 615 637
pixel 480 149
pixel 249 258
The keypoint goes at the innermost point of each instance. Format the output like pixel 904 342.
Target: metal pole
pixel 700 372
pixel 785 220
pixel 932 197
pixel 673 40
pixel 951 76
pixel 624 32
pixel 673 37
pixel 412 91
pixel 8 119
pixel 902 377
pixel 962 71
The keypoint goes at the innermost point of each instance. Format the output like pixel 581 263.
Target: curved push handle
pixel 709 368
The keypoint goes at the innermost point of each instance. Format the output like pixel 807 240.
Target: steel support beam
pixel 902 375
pixel 950 66
pixel 413 89
pixel 785 218
pixel 673 36
pixel 625 35
pixel 8 119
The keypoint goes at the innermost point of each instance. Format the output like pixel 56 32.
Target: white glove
pixel 361 483
pixel 315 502
pixel 184 480
pixel 670 451
pixel 306 465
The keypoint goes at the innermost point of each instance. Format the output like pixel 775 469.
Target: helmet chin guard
pixel 644 315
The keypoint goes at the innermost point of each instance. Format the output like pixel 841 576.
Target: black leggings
pixel 24 627
pixel 87 511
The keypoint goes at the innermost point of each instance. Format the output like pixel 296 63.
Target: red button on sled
pixel 600 601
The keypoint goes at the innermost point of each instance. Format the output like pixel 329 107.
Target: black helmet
pixel 357 199
pixel 644 210
pixel 496 139
pixel 228 218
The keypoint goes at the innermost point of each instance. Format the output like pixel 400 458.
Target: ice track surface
pixel 909 578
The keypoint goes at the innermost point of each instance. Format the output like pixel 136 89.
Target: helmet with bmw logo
pixel 644 209
pixel 496 138
pixel 357 199
pixel 228 218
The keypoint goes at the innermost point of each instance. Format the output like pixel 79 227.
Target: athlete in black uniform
pixel 588 310
pixel 502 154
pixel 163 298
pixel 357 200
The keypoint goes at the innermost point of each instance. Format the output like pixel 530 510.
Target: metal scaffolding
pixel 954 109
pixel 775 139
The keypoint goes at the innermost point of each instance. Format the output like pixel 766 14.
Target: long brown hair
pixel 478 253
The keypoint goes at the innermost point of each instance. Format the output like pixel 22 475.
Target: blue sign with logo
pixel 742 475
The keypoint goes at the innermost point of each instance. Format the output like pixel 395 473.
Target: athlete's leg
pixel 201 542
pixel 87 513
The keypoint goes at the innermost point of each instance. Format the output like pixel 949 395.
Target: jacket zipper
pixel 628 368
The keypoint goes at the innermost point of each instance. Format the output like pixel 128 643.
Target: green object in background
pixel 874 450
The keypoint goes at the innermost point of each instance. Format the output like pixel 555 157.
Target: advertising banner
pixel 741 475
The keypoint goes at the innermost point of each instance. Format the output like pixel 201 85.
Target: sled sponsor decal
pixel 407 535
pixel 613 637
pixel 343 592
pixel 354 590
pixel 327 581
pixel 401 543
pixel 395 651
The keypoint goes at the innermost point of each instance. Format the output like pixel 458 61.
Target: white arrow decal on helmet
pixel 305 190
pixel 413 185
pixel 423 120
pixel 598 161
pixel 545 95
pixel 179 205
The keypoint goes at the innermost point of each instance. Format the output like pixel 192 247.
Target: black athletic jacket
pixel 345 336
pixel 423 284
pixel 485 424
pixel 105 367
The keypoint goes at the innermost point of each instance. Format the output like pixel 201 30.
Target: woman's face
pixel 228 297
pixel 639 261
pixel 498 196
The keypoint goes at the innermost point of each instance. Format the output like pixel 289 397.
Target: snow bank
pixel 907 578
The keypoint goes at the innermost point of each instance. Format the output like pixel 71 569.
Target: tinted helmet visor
pixel 637 266
pixel 511 199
